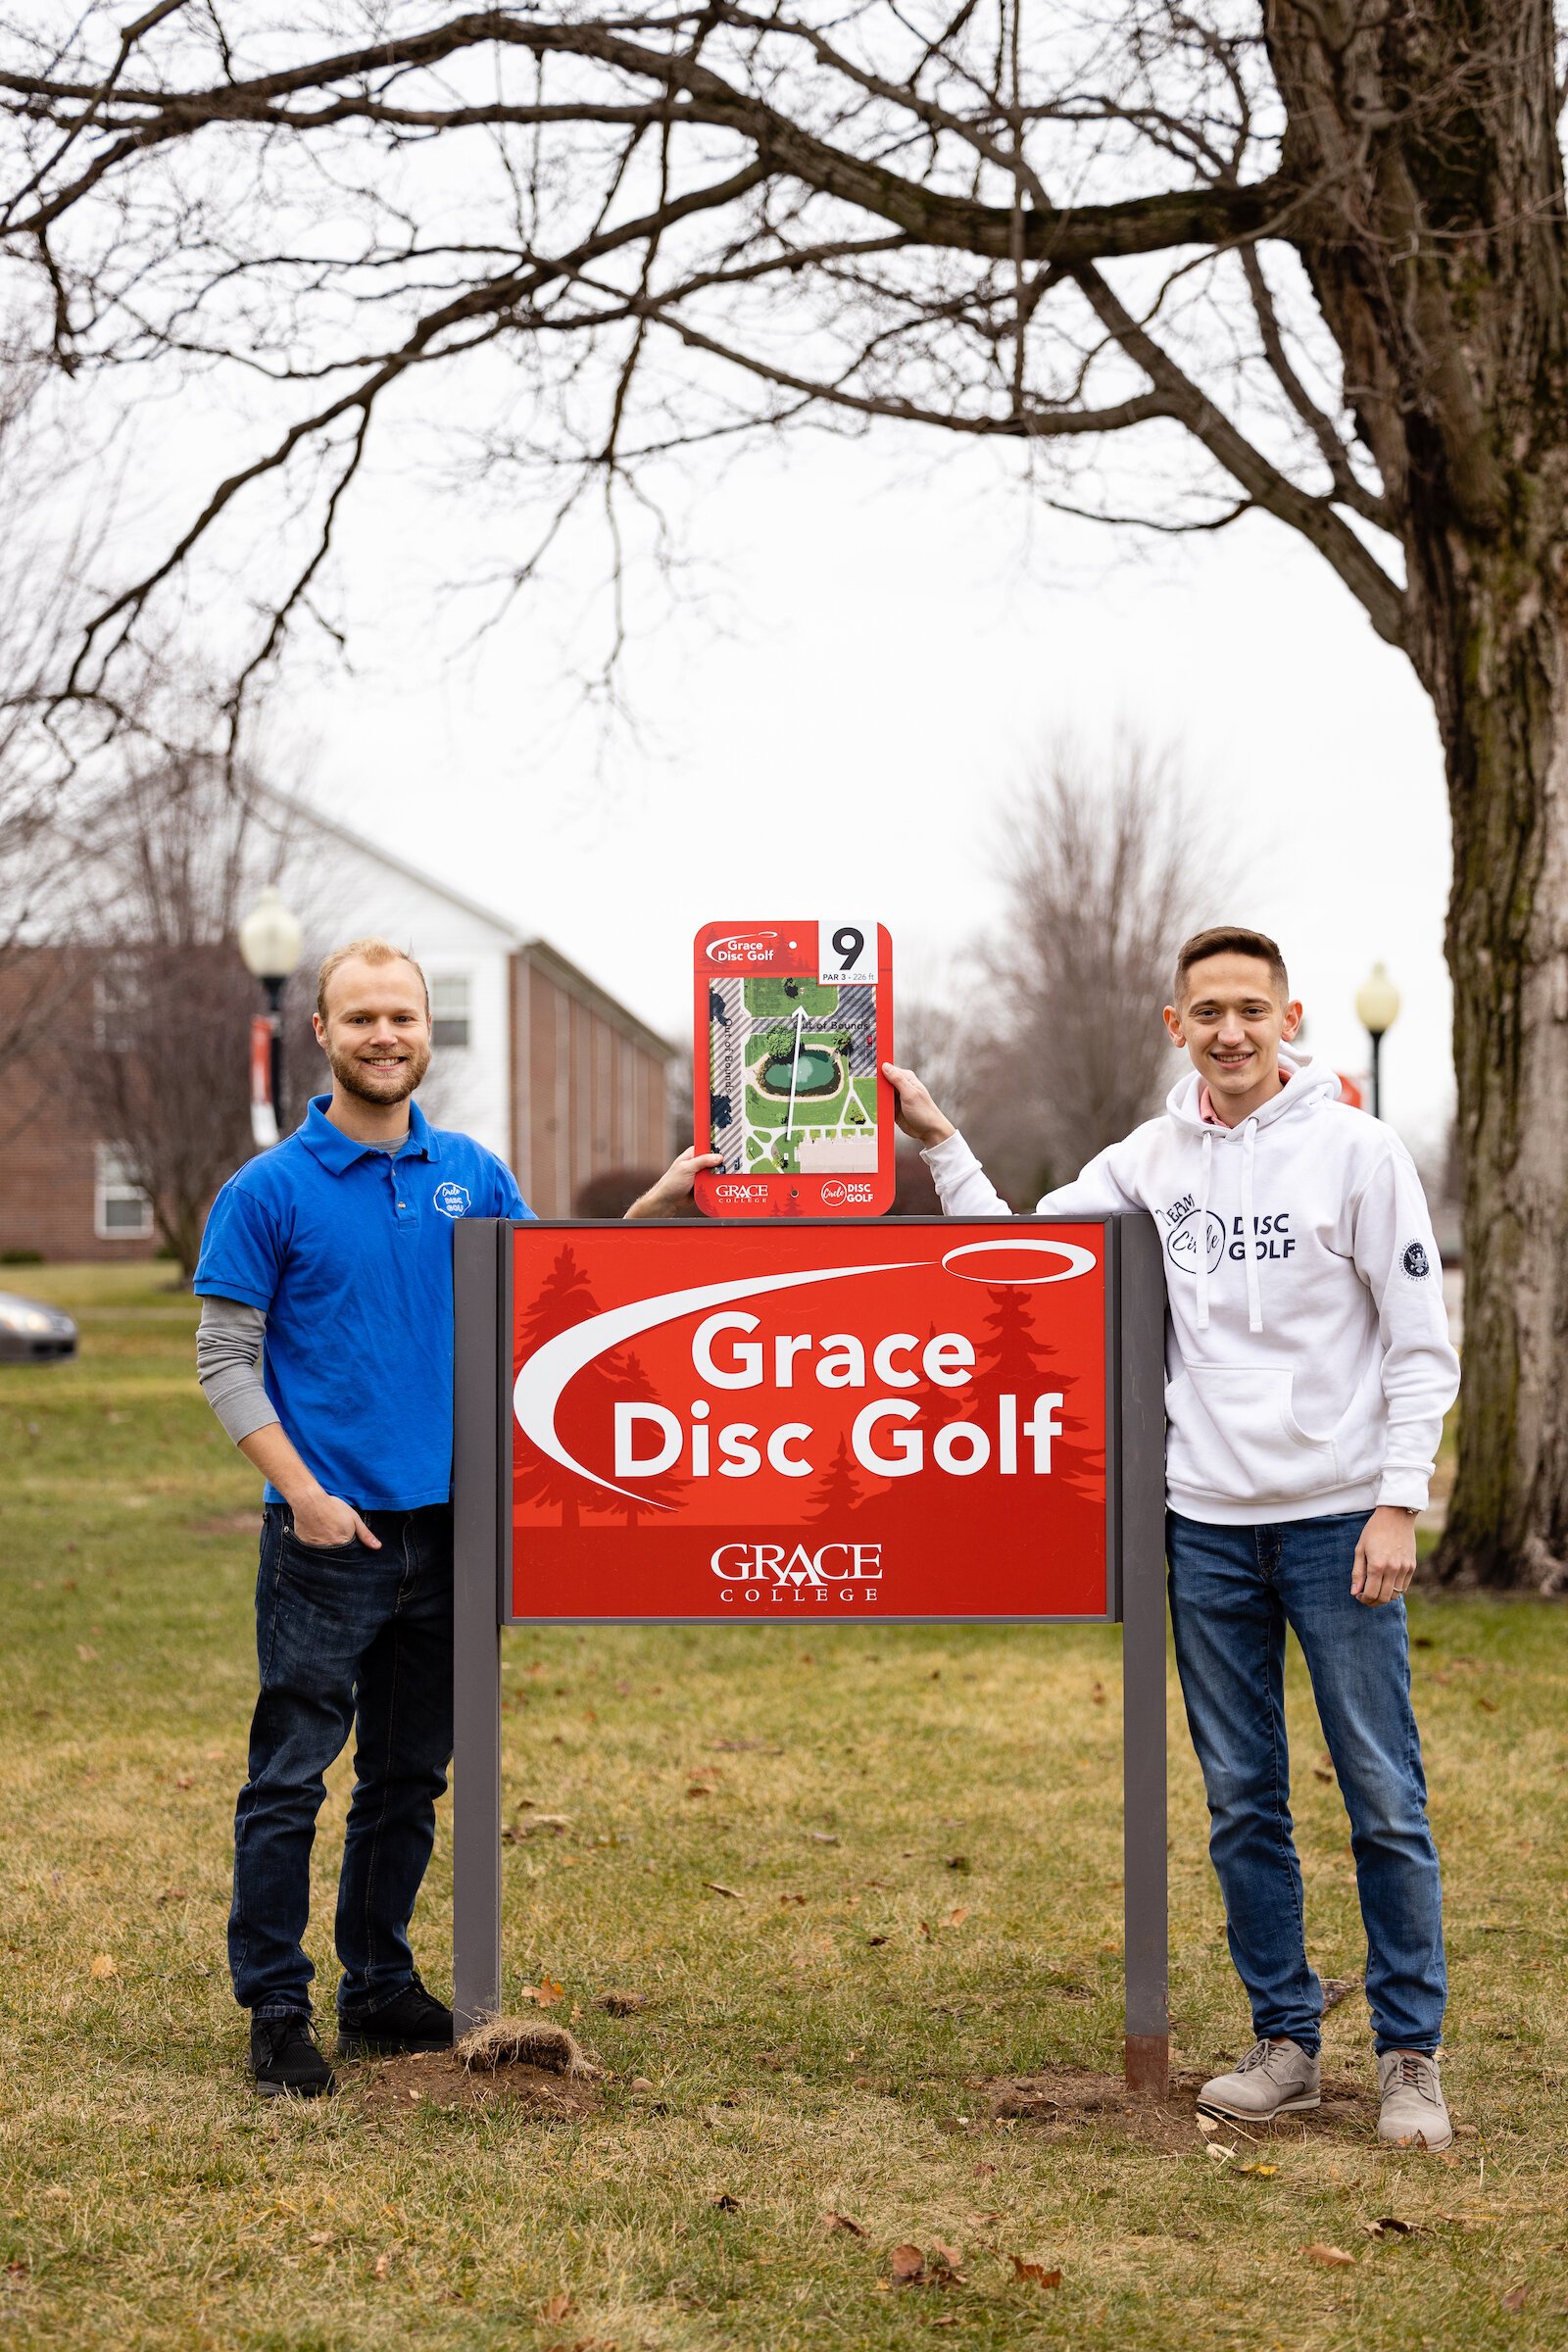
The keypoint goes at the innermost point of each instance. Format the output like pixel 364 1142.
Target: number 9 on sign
pixel 847 952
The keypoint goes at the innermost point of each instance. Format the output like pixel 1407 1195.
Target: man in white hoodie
pixel 1308 1370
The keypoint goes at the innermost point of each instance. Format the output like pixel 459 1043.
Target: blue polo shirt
pixel 347 1250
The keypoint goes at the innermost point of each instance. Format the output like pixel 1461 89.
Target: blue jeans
pixel 345 1638
pixel 1233 1591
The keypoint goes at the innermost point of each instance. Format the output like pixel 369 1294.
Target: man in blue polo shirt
pixel 335 1249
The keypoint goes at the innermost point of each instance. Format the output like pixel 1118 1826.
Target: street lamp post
pixel 271 942
pixel 1377 1009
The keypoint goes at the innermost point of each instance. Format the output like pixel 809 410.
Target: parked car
pixel 31 1333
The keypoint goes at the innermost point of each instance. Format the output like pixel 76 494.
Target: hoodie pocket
pixel 1233 1434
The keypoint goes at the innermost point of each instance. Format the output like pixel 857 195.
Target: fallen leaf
pixel 1386 2227
pixel 1098 1694
pixel 1336 1989
pixel 908 2266
pixel 726 2203
pixel 103 1966
pixel 985 2220
pixel 714 1886
pixel 1035 2271
pixel 1332 2258
pixel 956 1916
pixel 823 1837
pixel 958 1862
pixel 1318 1774
pixel 383 2263
pixel 875 1941
pixel 1264 2172
pixel 699 1788
pixel 947 2263
pixel 86 1654
pixel 558 2305
pixel 171 1894
pixel 984 2170
pixel 1516 2298
pixel 185 1780
pixel 625 2004
pixel 925 1930
pixel 1488 1706
pixel 1220 2153
pixel 545 1994
pixel 320 2238
pixel 1207 2124
pixel 791 1898
pixel 639 2082
pixel 843 2221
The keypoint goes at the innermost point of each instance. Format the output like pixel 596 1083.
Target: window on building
pixel 121 1210
pixel 118 1002
pixel 449 1009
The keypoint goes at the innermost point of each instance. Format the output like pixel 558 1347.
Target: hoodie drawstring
pixel 1254 1293
pixel 1203 1230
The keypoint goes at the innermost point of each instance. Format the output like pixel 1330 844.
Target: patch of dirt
pixel 1073 2102
pixel 393 2086
pixel 227 1523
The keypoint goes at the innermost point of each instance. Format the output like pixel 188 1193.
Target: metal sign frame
pixel 1135 1481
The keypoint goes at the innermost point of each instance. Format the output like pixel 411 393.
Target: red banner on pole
pixel 263 1112
pixel 905 1420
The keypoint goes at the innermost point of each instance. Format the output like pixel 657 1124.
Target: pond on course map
pixel 817 1073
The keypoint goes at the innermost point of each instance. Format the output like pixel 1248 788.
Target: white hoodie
pixel 1310 1373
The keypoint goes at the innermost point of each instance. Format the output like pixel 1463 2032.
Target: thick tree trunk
pixel 1434 234
pixel 1501 682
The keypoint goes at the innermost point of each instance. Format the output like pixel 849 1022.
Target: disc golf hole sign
pixel 792 1022
pixel 811 1422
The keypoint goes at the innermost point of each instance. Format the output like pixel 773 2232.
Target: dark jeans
pixel 345 1638
pixel 1233 1591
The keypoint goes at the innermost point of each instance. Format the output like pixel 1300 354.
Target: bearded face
pixel 377 1030
pixel 379 1070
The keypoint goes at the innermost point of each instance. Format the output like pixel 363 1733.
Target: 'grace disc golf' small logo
pixel 451 1199
pixel 1416 1262
pixel 1182 1244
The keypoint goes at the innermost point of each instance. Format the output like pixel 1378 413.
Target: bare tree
pixel 1107 868
pixel 155 1050
pixel 1191 261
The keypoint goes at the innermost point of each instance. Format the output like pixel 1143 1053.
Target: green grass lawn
pixel 922 1830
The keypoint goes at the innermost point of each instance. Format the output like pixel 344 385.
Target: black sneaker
pixel 286 2059
pixel 415 2020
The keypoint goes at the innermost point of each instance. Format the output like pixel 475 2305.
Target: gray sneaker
pixel 1275 2078
pixel 1414 2113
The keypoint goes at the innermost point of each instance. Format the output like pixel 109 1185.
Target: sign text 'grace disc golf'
pixel 920 1420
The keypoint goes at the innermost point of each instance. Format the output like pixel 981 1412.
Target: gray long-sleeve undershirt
pixel 228 1366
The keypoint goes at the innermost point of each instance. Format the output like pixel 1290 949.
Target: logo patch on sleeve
pixel 1416 1262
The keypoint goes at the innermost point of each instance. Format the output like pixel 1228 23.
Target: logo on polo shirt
pixel 452 1200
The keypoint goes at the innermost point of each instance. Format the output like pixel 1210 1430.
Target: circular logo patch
pixel 451 1199
pixel 1416 1262
pixel 1182 1244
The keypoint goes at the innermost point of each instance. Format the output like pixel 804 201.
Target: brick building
pixel 532 1056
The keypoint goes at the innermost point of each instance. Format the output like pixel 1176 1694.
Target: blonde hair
pixel 365 951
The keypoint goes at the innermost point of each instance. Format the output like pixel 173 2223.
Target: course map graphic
pixel 792 1076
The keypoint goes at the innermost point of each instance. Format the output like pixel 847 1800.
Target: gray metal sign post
pixel 1135 1474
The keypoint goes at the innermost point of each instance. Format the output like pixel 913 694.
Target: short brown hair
pixel 365 951
pixel 1232 939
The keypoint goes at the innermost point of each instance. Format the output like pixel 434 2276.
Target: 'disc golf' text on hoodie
pixel 1307 1359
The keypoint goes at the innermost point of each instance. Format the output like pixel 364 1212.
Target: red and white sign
pixel 792 1022
pixel 826 1421
pixel 263 1112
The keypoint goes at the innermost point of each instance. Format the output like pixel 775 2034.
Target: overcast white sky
pixel 888 635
